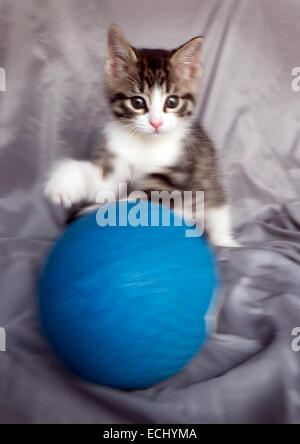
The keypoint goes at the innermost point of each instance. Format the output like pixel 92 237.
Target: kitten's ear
pixel 119 53
pixel 187 59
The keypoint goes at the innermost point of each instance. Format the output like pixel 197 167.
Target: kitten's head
pixel 152 91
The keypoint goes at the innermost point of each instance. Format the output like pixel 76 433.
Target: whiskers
pixel 137 128
pixel 131 128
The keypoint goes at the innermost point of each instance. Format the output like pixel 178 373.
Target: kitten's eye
pixel 172 102
pixel 138 102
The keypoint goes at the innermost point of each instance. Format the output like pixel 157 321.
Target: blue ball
pixel 125 306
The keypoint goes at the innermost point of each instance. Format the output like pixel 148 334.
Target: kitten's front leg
pixel 73 181
pixel 218 226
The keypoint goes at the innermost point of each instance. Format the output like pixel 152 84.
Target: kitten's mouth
pixel 154 133
pixel 157 131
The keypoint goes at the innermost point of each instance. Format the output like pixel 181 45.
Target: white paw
pixel 224 241
pixel 67 184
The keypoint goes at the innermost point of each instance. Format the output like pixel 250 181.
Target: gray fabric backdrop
pixel 53 52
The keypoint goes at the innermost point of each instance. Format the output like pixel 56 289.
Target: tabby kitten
pixel 151 140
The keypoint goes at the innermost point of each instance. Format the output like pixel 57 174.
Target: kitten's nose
pixel 156 123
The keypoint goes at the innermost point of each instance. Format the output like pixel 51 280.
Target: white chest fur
pixel 143 154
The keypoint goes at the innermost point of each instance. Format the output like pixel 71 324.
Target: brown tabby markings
pixel 151 143
pixel 153 68
pixel 141 71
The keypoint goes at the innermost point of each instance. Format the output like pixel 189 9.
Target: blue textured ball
pixel 125 306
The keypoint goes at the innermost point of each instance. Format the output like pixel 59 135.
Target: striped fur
pixel 133 72
pixel 151 141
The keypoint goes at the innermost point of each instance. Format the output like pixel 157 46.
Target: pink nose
pixel 156 123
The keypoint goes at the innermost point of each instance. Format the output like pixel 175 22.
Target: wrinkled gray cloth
pixel 53 52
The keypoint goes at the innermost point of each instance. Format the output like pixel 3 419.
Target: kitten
pixel 151 140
